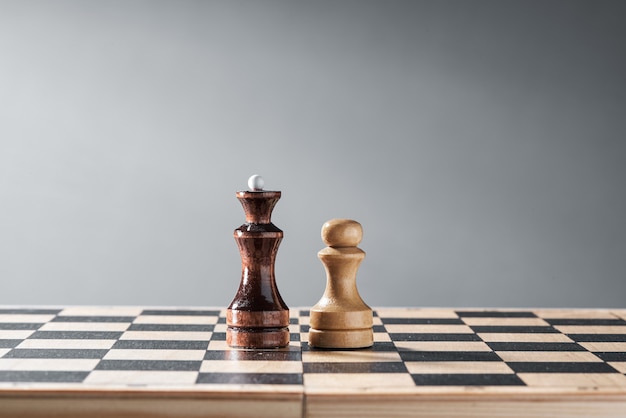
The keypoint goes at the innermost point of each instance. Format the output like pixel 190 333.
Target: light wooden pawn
pixel 341 319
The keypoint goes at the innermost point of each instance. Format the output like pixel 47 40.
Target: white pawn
pixel 256 183
pixel 341 319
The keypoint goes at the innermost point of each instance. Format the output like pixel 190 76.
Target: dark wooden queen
pixel 258 317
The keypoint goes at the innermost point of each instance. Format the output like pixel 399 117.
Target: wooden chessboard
pixel 134 361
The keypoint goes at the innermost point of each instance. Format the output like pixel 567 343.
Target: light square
pixel 382 337
pixel 358 381
pixel 620 366
pixel 101 311
pixel 349 356
pixel 9 334
pixel 442 346
pixel 218 345
pixel 25 318
pixel 250 366
pixel 579 380
pixel 505 322
pixel 416 313
pixel 46 364
pixel 591 329
pixel 599 347
pixel 223 327
pixel 524 338
pixel 141 378
pixel 548 356
pixel 85 326
pixel 166 335
pixel 67 344
pixel 148 354
pixel 458 367
pixel 574 314
pixel 428 329
pixel 443 313
pixel 176 319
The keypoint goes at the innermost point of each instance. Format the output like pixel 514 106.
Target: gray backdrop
pixel 480 143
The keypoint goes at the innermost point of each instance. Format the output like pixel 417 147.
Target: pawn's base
pixel 353 338
pixel 257 338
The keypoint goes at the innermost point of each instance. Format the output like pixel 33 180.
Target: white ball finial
pixel 256 183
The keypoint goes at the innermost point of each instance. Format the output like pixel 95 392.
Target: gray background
pixel 480 144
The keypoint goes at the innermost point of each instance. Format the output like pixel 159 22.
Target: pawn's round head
pixel 342 233
pixel 256 183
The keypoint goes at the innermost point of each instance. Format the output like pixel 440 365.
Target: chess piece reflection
pixel 341 319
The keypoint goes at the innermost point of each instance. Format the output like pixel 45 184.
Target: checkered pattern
pixel 414 350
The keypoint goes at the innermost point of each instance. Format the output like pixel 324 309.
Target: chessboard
pixel 136 361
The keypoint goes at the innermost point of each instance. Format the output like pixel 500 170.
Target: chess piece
pixel 257 317
pixel 341 319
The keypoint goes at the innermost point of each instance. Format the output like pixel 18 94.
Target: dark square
pixel 534 346
pixel 183 312
pixel 172 327
pixel 560 367
pixel 29 311
pixel 467 380
pixel 19 376
pixel 449 356
pixel 262 355
pixel 218 336
pixel 612 356
pixel 423 321
pixel 496 314
pixel 160 345
pixel 56 353
pixel 355 367
pixel 383 346
pixel 20 326
pixel 505 329
pixel 75 335
pixel 598 338
pixel 434 337
pixel 586 321
pixel 142 365
pixel 93 319
pixel 250 378
pixel 9 343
